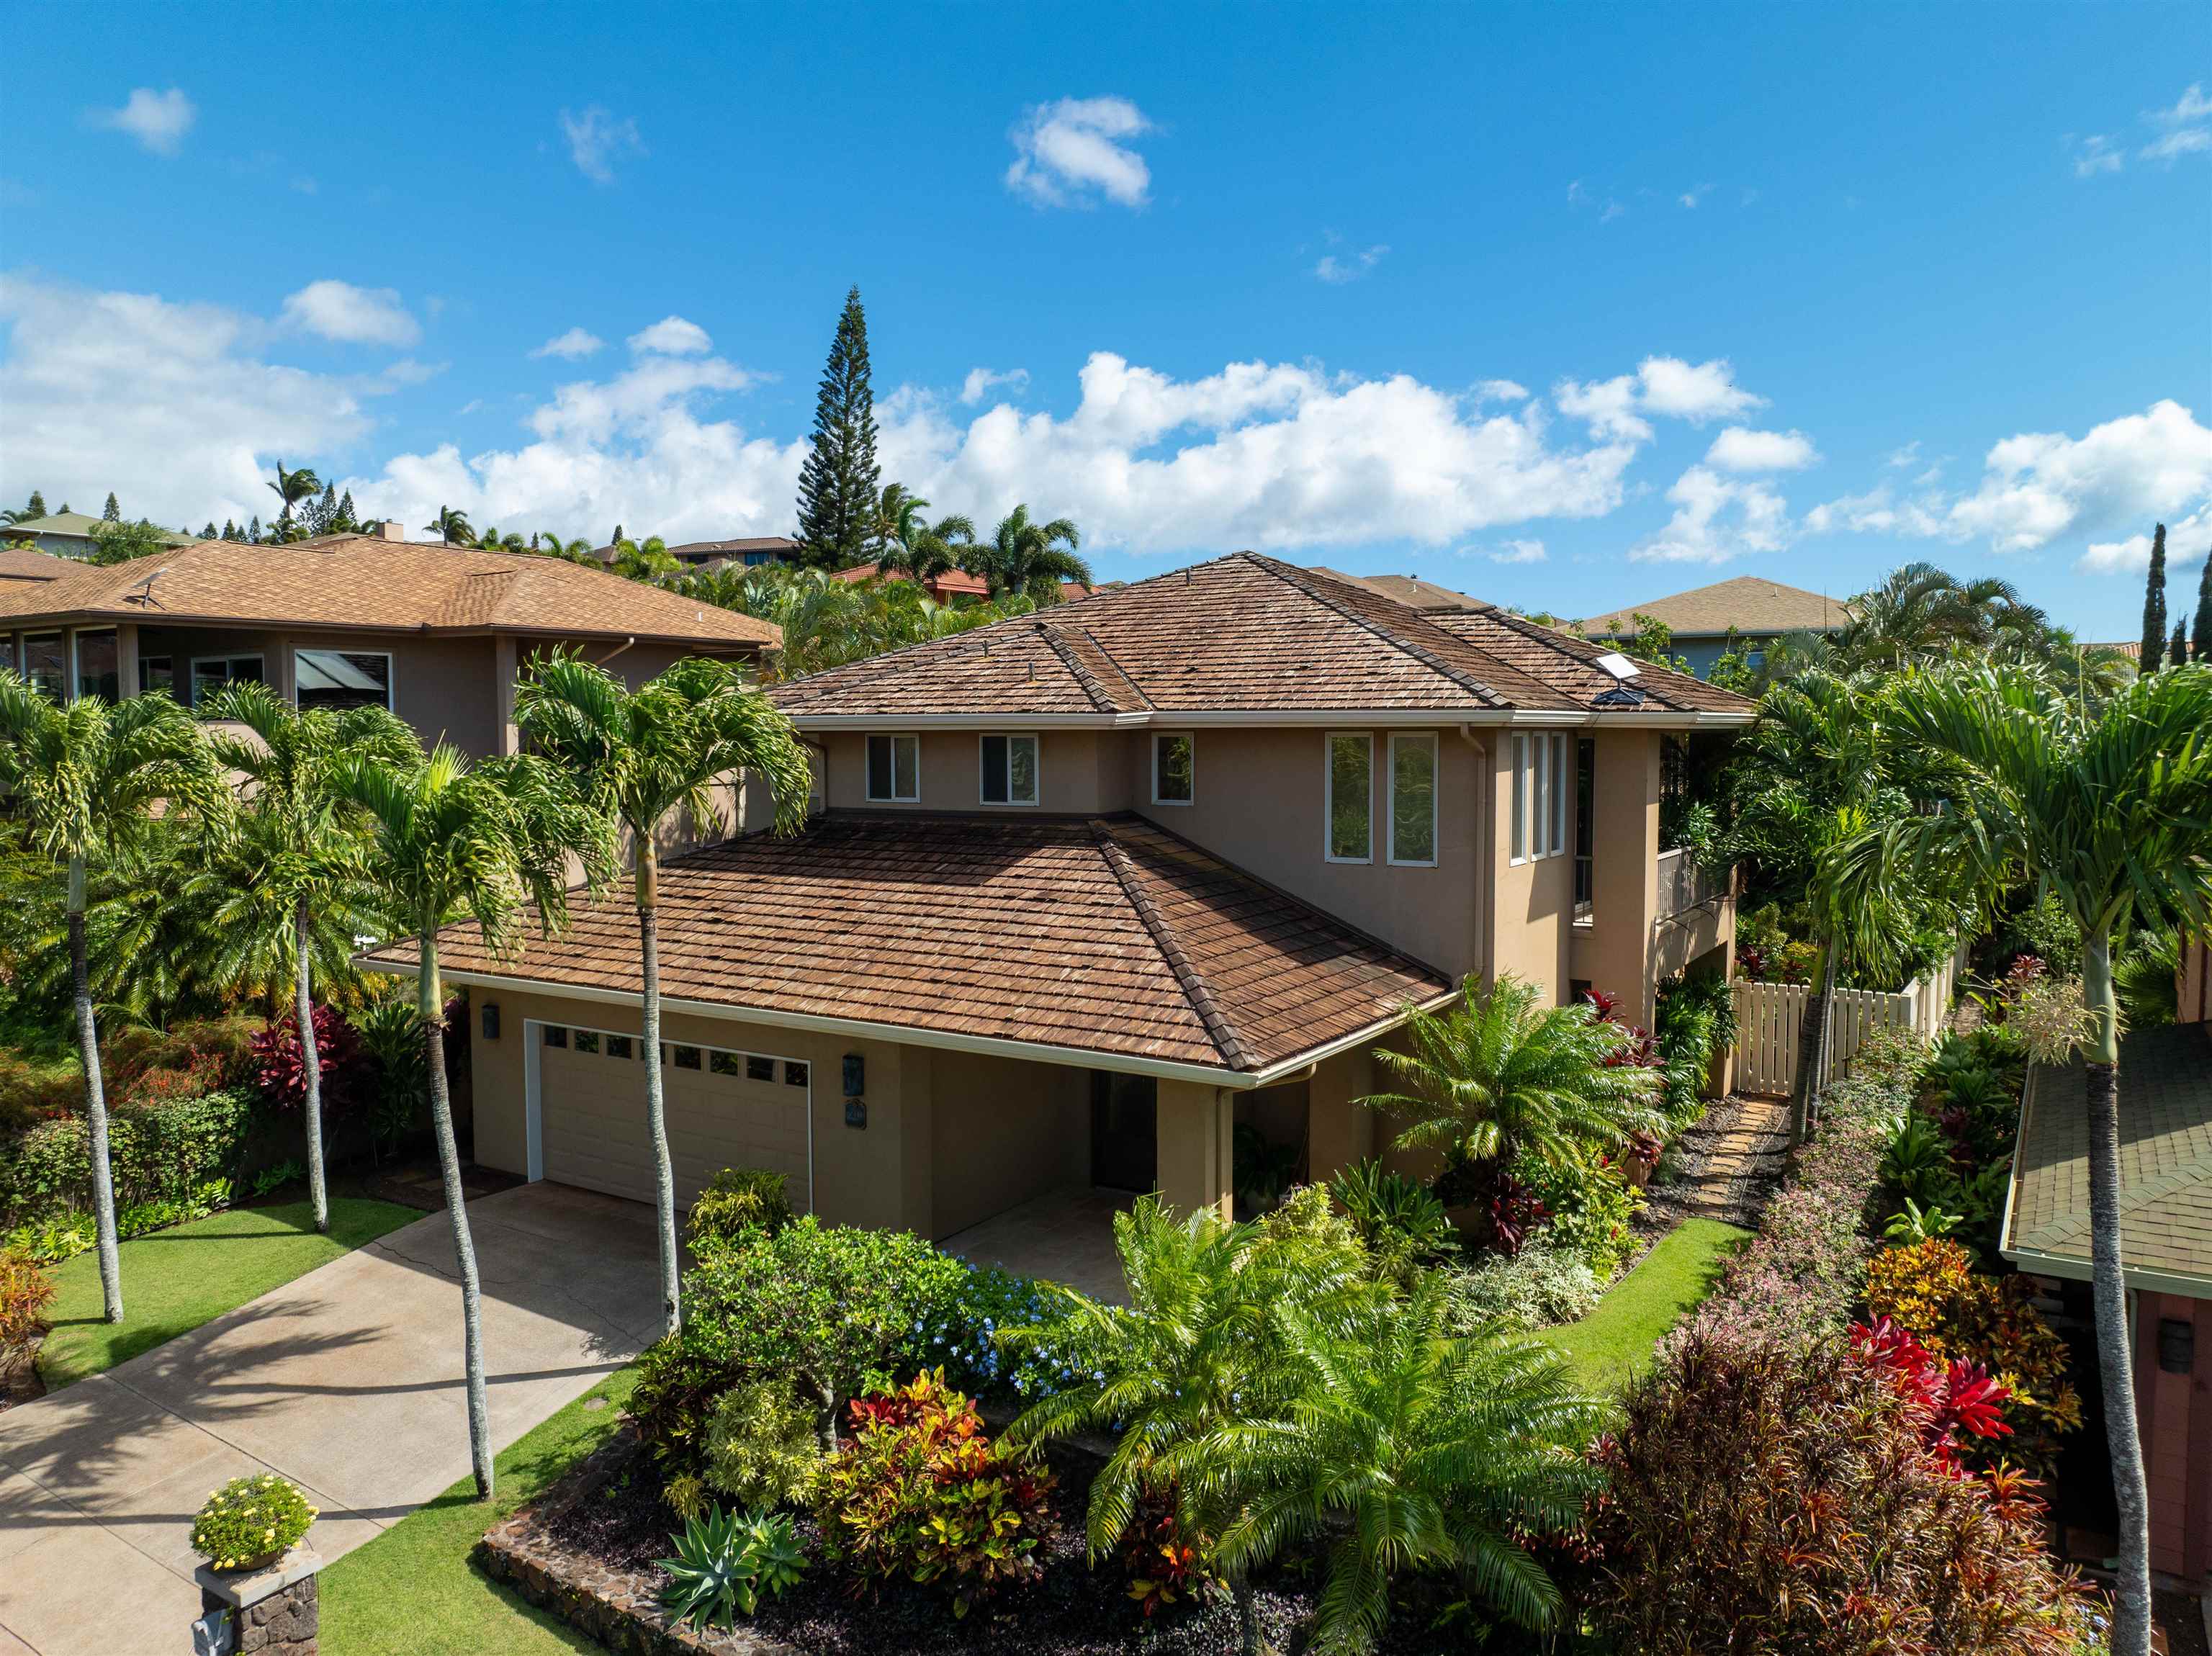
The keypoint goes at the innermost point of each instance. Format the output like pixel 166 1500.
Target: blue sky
pixel 1566 307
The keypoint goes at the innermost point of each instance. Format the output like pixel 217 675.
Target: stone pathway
pixel 1730 1163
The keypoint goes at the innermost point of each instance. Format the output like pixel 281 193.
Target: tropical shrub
pixel 1931 1292
pixel 922 1493
pixel 156 1152
pixel 725 1563
pixel 33 1090
pixel 250 1519
pixel 1695 1022
pixel 1540 1287
pixel 1952 1401
pixel 1773 1497
pixel 958 1334
pixel 736 1203
pixel 761 1446
pixel 390 1032
pixel 834 1310
pixel 1401 1224
pixel 1589 1206
pixel 280 1068
pixel 1262 1169
pixel 1166 1563
pixel 26 1291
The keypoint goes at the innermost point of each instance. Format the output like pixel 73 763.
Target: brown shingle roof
pixel 1750 603
pixel 2166 1161
pixel 27 563
pixel 1240 634
pixel 1410 590
pixel 362 581
pixel 1107 935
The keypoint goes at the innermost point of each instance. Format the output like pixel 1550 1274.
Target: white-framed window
pixel 211 671
pixel 1009 764
pixel 1520 799
pixel 1541 784
pixel 341 680
pixel 1414 798
pixel 1563 784
pixel 894 768
pixel 1351 784
pixel 1175 768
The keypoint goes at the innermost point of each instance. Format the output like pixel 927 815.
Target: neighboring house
pixel 1412 591
pixel 437 634
pixel 1090 890
pixel 711 554
pixel 26 563
pixel 2166 1249
pixel 956 584
pixel 68 534
pixel 1757 610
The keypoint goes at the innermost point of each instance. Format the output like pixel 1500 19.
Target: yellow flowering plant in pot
pixel 251 1522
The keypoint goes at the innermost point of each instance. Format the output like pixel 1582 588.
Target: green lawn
pixel 174 1280
pixel 1609 1345
pixel 412 1591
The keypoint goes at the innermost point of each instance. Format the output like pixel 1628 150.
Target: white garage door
pixel 725 1108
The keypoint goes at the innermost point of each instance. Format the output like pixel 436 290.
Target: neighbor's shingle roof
pixel 1243 633
pixel 81 523
pixel 1750 603
pixel 26 563
pixel 1106 935
pixel 1409 590
pixel 357 580
pixel 2165 1158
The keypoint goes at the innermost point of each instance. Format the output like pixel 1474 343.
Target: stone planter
pixel 273 1610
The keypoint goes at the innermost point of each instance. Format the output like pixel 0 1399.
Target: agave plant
pixel 726 1562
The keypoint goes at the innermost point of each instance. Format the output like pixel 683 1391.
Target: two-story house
pixel 1086 890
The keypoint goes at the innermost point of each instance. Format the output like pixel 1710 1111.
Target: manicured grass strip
pixel 1609 1346
pixel 174 1280
pixel 412 1591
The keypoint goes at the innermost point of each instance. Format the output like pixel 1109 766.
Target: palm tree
pixel 492 541
pixel 1496 1072
pixel 643 756
pixel 87 777
pixel 452 527
pixel 1401 1447
pixel 292 488
pixel 2109 810
pixel 898 517
pixel 456 843
pixel 550 545
pixel 645 560
pixel 306 848
pixel 1029 559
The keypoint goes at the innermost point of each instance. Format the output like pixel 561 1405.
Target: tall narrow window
pixel 1352 797
pixel 1010 770
pixel 1540 797
pixel 1520 799
pixel 46 665
pixel 894 767
pixel 96 665
pixel 157 673
pixel 1175 778
pixel 1558 795
pixel 1412 799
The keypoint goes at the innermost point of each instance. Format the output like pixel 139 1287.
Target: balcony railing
pixel 1685 885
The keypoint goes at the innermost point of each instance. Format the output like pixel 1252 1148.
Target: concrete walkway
pixel 347 1380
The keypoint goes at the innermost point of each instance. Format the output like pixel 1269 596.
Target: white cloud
pixel 671 336
pixel 1518 552
pixel 203 416
pixel 2190 108
pixel 2186 127
pixel 2186 140
pixel 158 120
pixel 2096 154
pixel 980 381
pixel 1352 266
pixel 353 316
pixel 1740 449
pixel 1070 152
pixel 596 140
pixel 2132 555
pixel 1690 198
pixel 1264 455
pixel 1715 519
pixel 1500 390
pixel 570 346
pixel 1664 385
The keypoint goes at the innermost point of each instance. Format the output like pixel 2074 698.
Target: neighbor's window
pixel 46 664
pixel 1174 772
pixel 342 679
pixel 97 666
pixel 209 671
pixel 1412 798
pixel 1520 799
pixel 1352 797
pixel 1010 770
pixel 157 673
pixel 894 768
pixel 1560 785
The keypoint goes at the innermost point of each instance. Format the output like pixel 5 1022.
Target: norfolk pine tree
pixel 838 486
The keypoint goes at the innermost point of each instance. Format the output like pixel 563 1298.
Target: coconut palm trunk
pixel 95 1100
pixel 2131 1488
pixel 311 1062
pixel 431 1005
pixel 656 1116
pixel 1811 1046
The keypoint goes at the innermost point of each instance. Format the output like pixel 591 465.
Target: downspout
pixel 1485 782
pixel 616 650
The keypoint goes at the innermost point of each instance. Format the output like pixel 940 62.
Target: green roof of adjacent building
pixel 73 522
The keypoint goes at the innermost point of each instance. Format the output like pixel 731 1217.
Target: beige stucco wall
pixel 1196 1127
pixel 1004 1131
pixel 1615 952
pixel 1532 900
pixel 1078 772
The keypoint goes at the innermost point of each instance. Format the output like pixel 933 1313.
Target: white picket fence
pixel 1768 1015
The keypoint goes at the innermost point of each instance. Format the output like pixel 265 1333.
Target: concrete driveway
pixel 347 1380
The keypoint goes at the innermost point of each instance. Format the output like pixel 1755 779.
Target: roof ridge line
pixel 1295 580
pixel 1195 989
pixel 1082 675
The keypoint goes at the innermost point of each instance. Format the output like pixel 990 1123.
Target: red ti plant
pixel 1950 1398
pixel 281 1072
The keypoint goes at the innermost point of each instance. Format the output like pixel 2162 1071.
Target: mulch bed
pixel 606 1523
